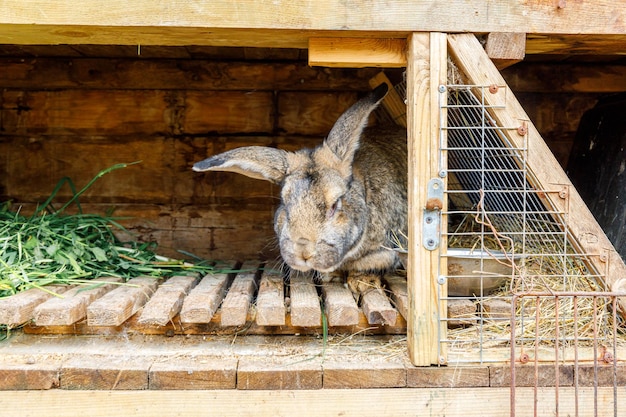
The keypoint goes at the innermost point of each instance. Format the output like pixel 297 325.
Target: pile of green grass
pixel 53 247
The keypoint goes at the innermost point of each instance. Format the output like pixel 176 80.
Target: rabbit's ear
pixel 258 162
pixel 343 139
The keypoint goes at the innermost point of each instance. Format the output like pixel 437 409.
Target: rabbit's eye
pixel 333 209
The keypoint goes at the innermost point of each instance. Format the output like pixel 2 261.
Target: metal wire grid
pixel 494 211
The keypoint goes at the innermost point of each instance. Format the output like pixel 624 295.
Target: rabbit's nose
pixel 307 250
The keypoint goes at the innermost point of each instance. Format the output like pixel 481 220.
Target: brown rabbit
pixel 342 202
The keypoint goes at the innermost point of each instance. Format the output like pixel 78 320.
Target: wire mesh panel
pixel 504 236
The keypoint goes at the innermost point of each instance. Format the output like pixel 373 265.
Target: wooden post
pixel 426 70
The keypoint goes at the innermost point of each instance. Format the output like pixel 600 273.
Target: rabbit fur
pixel 341 202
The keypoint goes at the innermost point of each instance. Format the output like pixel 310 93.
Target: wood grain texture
pixel 280 25
pixel 204 299
pixel 344 373
pixel 18 309
pixel 377 308
pixel 191 374
pixel 272 373
pixel 357 53
pixel 305 303
pixel 73 306
pixel 237 302
pixel 426 70
pixel 339 305
pixel 506 48
pixel 402 402
pixel 270 302
pixel 105 373
pixel 167 301
pixel 117 306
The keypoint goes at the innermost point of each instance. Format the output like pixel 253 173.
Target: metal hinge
pixel 432 214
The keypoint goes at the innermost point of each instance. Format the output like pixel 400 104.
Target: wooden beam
pixel 426 70
pixel 506 49
pixel 357 53
pixel 378 402
pixel 280 24
pixel 579 44
pixel 545 170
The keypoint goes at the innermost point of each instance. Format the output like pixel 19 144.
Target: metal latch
pixel 432 214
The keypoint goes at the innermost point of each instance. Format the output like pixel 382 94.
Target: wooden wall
pixel 71 111
pixel 74 116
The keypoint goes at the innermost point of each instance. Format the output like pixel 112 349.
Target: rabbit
pixel 341 203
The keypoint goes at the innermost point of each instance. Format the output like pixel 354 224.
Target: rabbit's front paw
pixel 362 282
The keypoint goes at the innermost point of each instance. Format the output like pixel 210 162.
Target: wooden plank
pixel 167 74
pixel 145 112
pixel 24 376
pixel 305 304
pixel 506 48
pixel 270 302
pixel 106 372
pixel 565 78
pixel 205 298
pixel 166 301
pixel 237 302
pixel 377 308
pixel 275 373
pixel 357 52
pixel 426 70
pixel 546 173
pixel 73 306
pixel 18 309
pixel 399 293
pixel 296 110
pixel 453 377
pixel 339 305
pixel 191 374
pixel 346 373
pixel 288 25
pixel 401 402
pixel 115 307
pixel 573 43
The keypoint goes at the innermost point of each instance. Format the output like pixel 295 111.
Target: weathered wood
pixel 166 74
pixel 564 78
pixel 546 173
pixel 377 308
pixel 505 49
pixel 18 309
pixel 108 372
pixel 357 52
pixel 339 305
pixel 25 376
pixel 205 298
pixel 399 293
pixel 166 301
pixel 346 373
pixel 73 306
pixel 426 70
pixel 263 373
pixel 146 112
pixel 453 377
pixel 280 25
pixel 198 373
pixel 461 312
pixel 115 307
pixel 305 304
pixel 270 302
pixel 311 113
pixel 237 302
pixel 325 403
